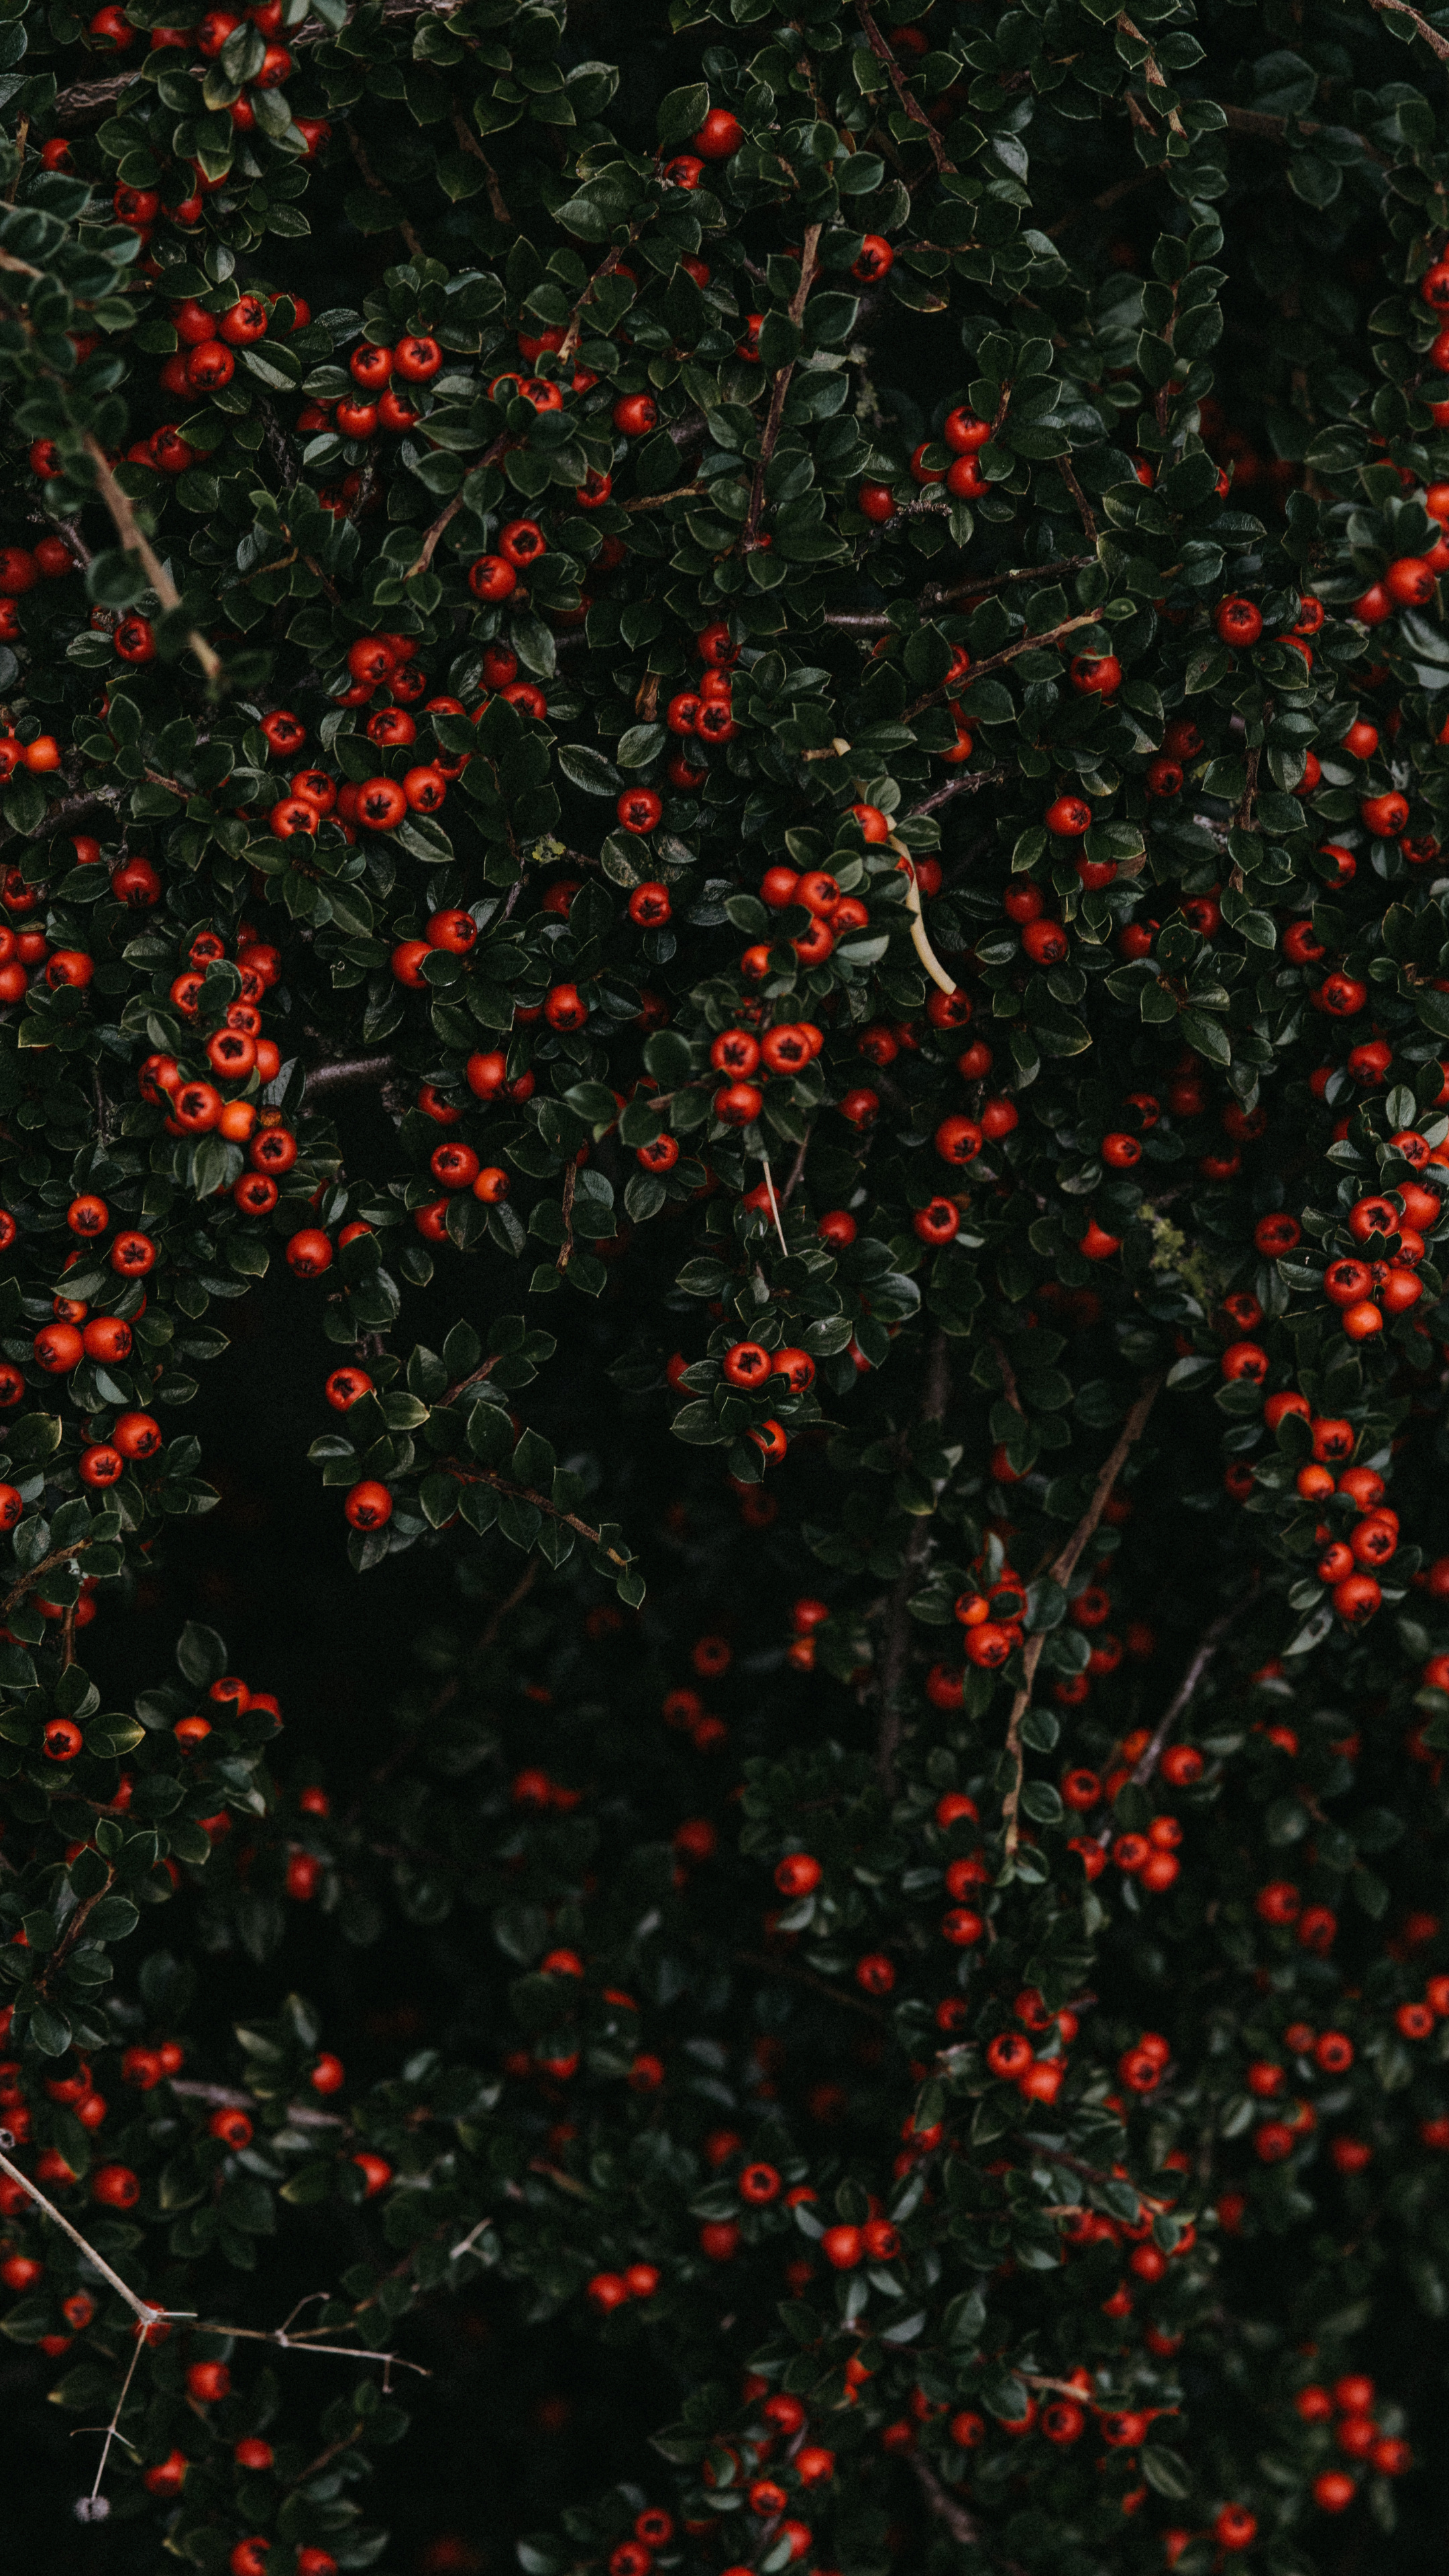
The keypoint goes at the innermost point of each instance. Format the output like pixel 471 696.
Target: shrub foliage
pixel 734 723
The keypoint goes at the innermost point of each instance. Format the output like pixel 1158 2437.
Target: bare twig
pixel 938 595
pixel 1151 68
pixel 449 512
pixel 962 2526
pixel 277 448
pixel 347 1074
pixel 47 1565
pixel 470 143
pixel 797 1170
pixel 521 1589
pixel 1012 653
pixel 566 1248
pixel 370 180
pixel 605 269
pixel 21 131
pixel 230 2097
pixel 1438 45
pixel 127 527
pixel 76 1921
pixel 1008 1374
pixel 303 2343
pixel 473 1474
pixel 1207 1647
pixel 917 114
pixel 1062 1571
pixel 69 535
pixel 661 500
pixel 966 785
pixel 1085 511
pixel 919 941
pixel 1256 126
pixel 781 386
pixel 96 2509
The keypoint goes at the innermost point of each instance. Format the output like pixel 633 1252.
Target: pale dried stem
pixel 128 529
pixel 139 2308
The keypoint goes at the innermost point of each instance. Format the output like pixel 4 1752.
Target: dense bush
pixel 723 737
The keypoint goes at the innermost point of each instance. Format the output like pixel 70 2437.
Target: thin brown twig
pixel 966 785
pixel 521 1589
pixel 476 1475
pixel 128 529
pixel 378 187
pixel 1085 511
pixel 1207 1647
pixel 797 1169
pixel 661 500
pixel 1256 126
pixel 605 269
pixel 1012 653
pixel 324 2458
pixel 775 1205
pixel 75 1922
pixel 1061 1573
pixel 230 2097
pixel 809 262
pixel 945 167
pixel 1109 197
pixel 962 2526
pixel 449 512
pixel 1438 45
pixel 47 1565
pixel 1008 1374
pixel 566 1248
pixel 21 131
pixel 470 143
